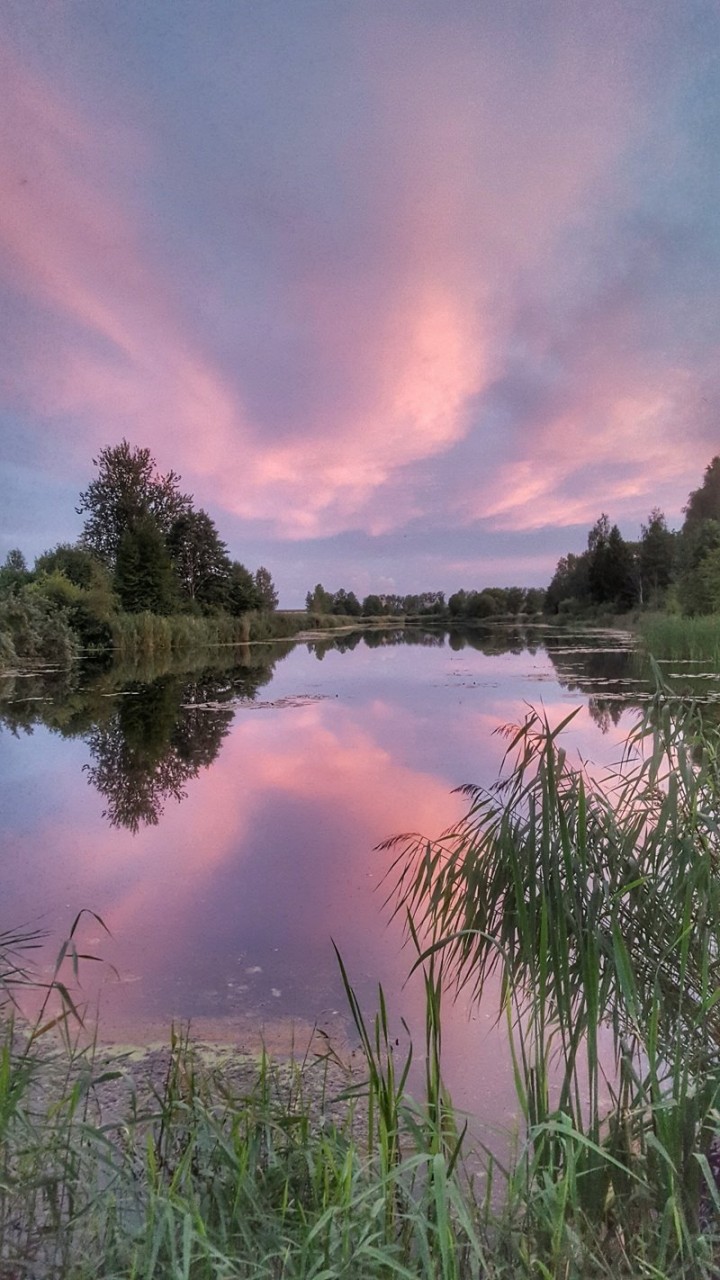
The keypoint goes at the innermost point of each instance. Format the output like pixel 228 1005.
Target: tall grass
pixel 598 903
pixel 160 635
pixel 670 636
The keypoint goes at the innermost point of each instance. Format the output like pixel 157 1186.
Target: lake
pixel 224 822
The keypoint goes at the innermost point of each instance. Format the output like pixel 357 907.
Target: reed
pixel 670 636
pixel 598 902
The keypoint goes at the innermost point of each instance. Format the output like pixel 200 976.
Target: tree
pixel 319 600
pixel 657 554
pixel 76 563
pixel 534 600
pixel 704 503
pixel 699 589
pixel 14 572
pixel 265 587
pixel 372 606
pixel 242 591
pixel 610 566
pixel 144 578
pixel 570 582
pixel 126 490
pixel 514 599
pixel 457 602
pixel 481 604
pixel 200 558
pixel 346 603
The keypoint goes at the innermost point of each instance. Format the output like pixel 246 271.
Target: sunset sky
pixel 408 291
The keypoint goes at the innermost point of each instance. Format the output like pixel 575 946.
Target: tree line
pixel 144 547
pixel 675 570
pixel 471 605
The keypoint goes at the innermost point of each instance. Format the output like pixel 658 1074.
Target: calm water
pixel 224 823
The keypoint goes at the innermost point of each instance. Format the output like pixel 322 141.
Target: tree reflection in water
pixel 149 737
pixel 156 742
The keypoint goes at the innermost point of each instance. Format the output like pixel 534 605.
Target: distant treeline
pixel 149 570
pixel 677 571
pixel 488 603
pixel 666 570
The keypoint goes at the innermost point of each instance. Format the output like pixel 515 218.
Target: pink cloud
pixel 479 161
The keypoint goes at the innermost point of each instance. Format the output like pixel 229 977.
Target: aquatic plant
pixel 597 900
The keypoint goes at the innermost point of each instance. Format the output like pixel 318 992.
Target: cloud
pixel 438 278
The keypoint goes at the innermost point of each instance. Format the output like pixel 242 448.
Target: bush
pixel 35 629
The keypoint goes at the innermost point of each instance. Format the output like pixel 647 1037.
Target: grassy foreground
pixel 597 900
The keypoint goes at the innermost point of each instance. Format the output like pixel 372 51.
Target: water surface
pixel 224 823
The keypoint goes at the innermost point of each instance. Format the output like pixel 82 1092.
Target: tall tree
pixel 14 572
pixel 267 594
pixel 144 578
pixel 128 488
pixel 570 583
pixel 704 503
pixel 319 600
pixel 242 592
pixel 200 558
pixel 657 554
pixel 610 566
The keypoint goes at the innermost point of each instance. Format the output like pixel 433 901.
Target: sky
pixel 407 291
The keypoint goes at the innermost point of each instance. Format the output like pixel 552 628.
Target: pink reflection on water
pixel 223 913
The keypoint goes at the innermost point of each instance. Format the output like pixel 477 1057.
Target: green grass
pixel 596 901
pixel 670 636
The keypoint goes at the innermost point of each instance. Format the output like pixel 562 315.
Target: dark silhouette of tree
pixel 704 503
pixel 610 566
pixel 14 572
pixel 372 606
pixel 265 587
pixel 656 557
pixel 319 600
pixel 151 749
pixel 127 489
pixel 570 583
pixel 242 593
pixel 144 577
pixel 200 558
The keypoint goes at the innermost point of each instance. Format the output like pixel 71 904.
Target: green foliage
pixel 144 578
pixel 657 557
pixel 34 629
pixel 372 607
pixel 682 639
pixel 13 573
pixel 699 588
pixel 265 587
pixel 242 595
pixel 481 604
pixel 704 503
pixel 346 603
pixel 200 559
pixel 128 489
pixel 534 600
pixel 596 916
pixel 611 576
pixel 571 581
pixel 319 600
pixel 75 562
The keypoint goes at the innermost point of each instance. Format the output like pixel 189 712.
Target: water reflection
pixel 148 734
pixel 154 744
pixel 222 907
